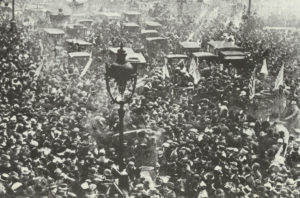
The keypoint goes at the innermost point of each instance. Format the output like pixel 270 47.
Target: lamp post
pixel 180 7
pixel 121 73
pixel 13 25
pixel 249 7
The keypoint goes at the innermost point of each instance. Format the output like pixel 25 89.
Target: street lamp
pixel 124 76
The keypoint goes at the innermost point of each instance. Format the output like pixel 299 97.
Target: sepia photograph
pixel 149 98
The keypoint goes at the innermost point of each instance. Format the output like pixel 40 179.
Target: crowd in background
pixel 55 125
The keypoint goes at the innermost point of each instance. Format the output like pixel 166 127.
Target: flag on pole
pixel 279 79
pixel 41 47
pixel 194 71
pixel 165 70
pixel 252 85
pixel 264 68
pixel 87 66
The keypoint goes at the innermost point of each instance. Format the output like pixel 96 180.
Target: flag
pixel 190 37
pixel 279 79
pixel 194 71
pixel 41 47
pixel 252 85
pixel 38 70
pixel 87 66
pixel 264 68
pixel 165 70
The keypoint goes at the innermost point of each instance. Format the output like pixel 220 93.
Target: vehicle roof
pixel 203 54
pixel 132 13
pixel 110 14
pixel 136 58
pixel 223 44
pixel 149 31
pixel 153 23
pixel 85 20
pixel 233 53
pixel 79 54
pixel 131 55
pixel 78 41
pixel 190 45
pixel 174 56
pixel 126 49
pixel 279 28
pixel 155 38
pixel 54 31
pixel 130 24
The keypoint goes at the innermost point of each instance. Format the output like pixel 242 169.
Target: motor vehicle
pixel 188 47
pixel 131 27
pixel 60 18
pixel 154 43
pixel 76 30
pixel 86 22
pixel 132 16
pixel 78 45
pixel 136 59
pixel 149 33
pixel 152 25
pixel 78 58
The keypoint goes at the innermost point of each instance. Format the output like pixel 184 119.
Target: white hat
pixel 16 185
pixel 84 185
pixel 203 184
pixel 34 143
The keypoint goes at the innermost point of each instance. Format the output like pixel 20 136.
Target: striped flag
pixel 279 79
pixel 252 85
pixel 264 68
pixel 194 71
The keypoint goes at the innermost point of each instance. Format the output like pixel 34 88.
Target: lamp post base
pixel 124 181
pixel 13 26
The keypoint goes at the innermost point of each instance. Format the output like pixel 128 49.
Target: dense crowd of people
pixel 56 125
